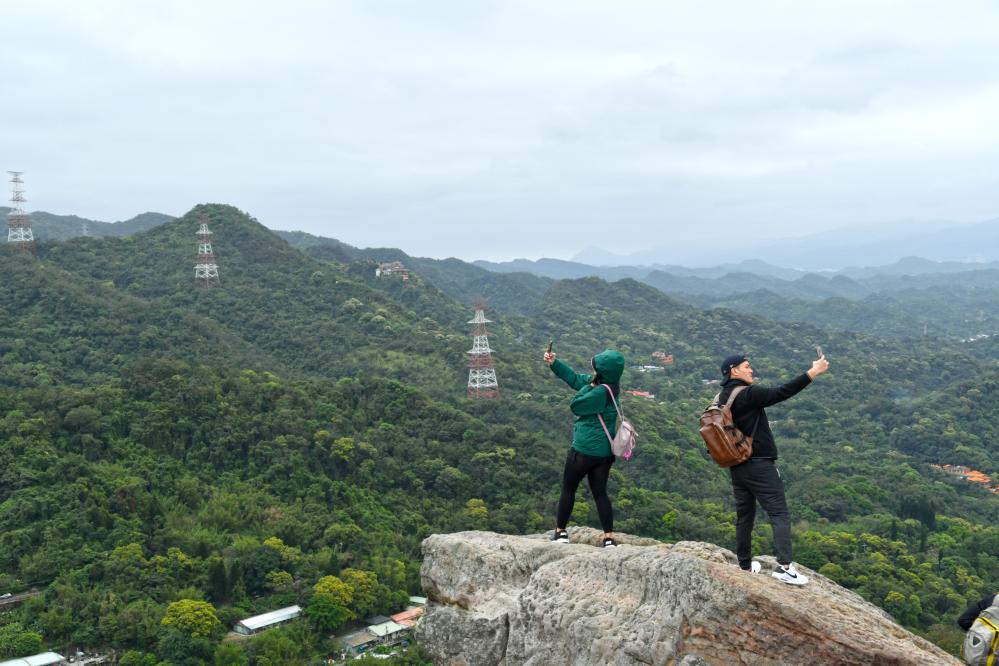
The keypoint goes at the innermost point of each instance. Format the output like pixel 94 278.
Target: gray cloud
pixel 500 129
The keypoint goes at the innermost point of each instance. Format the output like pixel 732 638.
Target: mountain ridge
pixel 869 244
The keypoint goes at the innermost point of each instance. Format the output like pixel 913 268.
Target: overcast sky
pixel 508 129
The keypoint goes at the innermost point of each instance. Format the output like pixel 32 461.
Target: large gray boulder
pixel 507 600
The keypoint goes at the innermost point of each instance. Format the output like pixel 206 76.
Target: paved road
pixel 18 598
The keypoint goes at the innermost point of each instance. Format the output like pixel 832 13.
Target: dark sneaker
pixel 609 543
pixel 560 536
pixel 788 574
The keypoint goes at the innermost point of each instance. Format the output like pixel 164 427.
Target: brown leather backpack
pixel 726 443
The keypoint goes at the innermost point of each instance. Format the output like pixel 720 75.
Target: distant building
pixel 384 633
pixel 376 619
pixel 663 358
pixel 409 617
pixel 418 601
pixel 359 642
pixel 971 475
pixel 642 394
pixel 43 659
pixel 392 269
pixel 256 624
pixel 389 631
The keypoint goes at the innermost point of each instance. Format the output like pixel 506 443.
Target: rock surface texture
pixel 508 600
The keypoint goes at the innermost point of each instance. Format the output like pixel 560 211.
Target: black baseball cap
pixel 731 362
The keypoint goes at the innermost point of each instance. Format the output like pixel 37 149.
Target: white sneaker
pixel 755 567
pixel 789 575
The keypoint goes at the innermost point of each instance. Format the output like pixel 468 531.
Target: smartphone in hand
pixel 550 343
pixel 818 351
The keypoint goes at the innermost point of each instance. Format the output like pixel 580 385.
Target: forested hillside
pixel 48 226
pixel 239 446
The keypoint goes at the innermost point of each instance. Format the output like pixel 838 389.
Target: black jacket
pixel 974 610
pixel 749 406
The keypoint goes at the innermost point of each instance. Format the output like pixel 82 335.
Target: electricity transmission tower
pixel 481 373
pixel 206 271
pixel 19 222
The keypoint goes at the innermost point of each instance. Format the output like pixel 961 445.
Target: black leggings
pixel 596 470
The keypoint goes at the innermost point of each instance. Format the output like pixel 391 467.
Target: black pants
pixel 596 471
pixel 759 479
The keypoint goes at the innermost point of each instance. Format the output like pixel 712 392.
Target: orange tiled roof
pixel 408 615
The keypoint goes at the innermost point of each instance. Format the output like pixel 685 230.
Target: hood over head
pixel 610 365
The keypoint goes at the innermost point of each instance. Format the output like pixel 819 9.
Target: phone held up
pixel 818 351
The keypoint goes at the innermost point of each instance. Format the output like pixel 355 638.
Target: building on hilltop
pixel 392 269
pixel 257 623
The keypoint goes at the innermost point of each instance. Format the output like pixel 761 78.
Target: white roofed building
pixel 258 623
pixel 387 630
pixel 43 659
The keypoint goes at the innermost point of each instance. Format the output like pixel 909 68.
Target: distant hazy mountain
pixel 729 279
pixel 559 269
pixel 917 266
pixel 48 226
pixel 854 246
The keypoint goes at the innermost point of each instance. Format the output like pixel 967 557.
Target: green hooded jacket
pixel 588 435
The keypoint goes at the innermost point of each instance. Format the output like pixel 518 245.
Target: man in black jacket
pixel 758 479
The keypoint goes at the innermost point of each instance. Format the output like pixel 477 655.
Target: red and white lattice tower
pixel 206 271
pixel 18 222
pixel 481 373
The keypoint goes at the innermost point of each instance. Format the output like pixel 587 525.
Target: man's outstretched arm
pixel 758 397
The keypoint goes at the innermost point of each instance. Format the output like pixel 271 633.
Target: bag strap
pixel 733 395
pixel 620 414
pixel 606 432
pixel 731 399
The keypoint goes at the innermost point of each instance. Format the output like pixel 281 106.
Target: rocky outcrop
pixel 507 600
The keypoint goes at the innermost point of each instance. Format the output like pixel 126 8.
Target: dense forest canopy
pixel 176 459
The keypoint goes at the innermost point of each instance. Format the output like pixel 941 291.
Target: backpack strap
pixel 731 400
pixel 606 432
pixel 732 396
pixel 620 414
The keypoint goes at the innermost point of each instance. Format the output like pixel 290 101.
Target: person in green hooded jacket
pixel 590 455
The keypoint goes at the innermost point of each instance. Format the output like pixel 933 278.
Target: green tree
pixel 15 641
pixel 137 658
pixel 364 590
pixel 326 614
pixel 182 649
pixel 218 580
pixel 230 654
pixel 193 618
pixel 334 588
